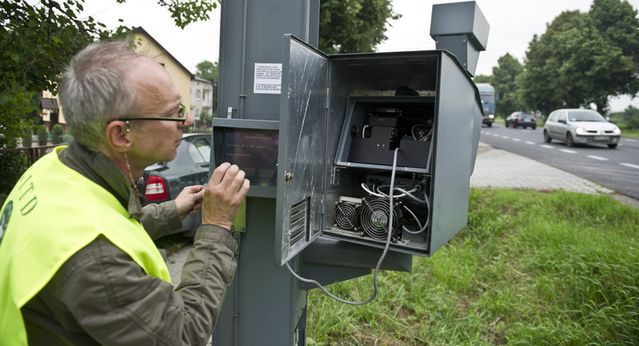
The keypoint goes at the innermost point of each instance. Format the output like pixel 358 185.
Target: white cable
pixel 419 224
pixel 364 130
pixel 410 194
pixel 404 192
pixel 365 187
pixel 421 228
pixel 381 258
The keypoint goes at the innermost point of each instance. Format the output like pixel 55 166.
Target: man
pixel 76 265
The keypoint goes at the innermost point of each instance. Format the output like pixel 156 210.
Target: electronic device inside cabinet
pixel 366 165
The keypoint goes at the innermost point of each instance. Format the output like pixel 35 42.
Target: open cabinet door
pixel 302 148
pixel 458 127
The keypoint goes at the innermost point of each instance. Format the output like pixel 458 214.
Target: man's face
pixel 155 140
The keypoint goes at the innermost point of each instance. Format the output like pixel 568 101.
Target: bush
pixel 27 140
pixel 56 134
pixel 630 117
pixel 43 135
pixel 67 138
pixel 12 165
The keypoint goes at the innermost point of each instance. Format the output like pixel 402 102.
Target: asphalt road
pixel 616 169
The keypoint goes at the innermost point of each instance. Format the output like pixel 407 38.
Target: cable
pixel 421 228
pixel 411 196
pixel 365 187
pixel 379 262
pixel 419 224
pixel 404 192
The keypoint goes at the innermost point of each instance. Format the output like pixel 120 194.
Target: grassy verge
pixel 634 133
pixel 530 268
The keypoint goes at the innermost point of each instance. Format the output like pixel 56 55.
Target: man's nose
pixel 189 120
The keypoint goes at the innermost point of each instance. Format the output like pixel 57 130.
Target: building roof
pixel 203 80
pixel 140 30
pixel 485 88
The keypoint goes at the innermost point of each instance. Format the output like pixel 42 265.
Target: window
pixel 198 94
pixel 200 150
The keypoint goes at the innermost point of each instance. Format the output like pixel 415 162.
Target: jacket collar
pixel 98 168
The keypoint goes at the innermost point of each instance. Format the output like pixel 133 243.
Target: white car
pixel 581 126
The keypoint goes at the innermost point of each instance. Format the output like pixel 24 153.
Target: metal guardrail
pixel 33 153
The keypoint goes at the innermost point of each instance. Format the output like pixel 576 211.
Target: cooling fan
pixel 375 215
pixel 346 213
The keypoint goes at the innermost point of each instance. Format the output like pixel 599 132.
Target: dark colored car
pixel 521 119
pixel 165 180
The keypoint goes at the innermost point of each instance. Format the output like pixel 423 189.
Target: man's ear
pixel 117 136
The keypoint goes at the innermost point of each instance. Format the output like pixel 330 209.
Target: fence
pixel 32 153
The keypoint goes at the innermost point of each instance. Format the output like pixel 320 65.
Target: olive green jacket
pixel 101 296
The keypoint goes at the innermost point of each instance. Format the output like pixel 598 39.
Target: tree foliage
pixel 38 38
pixel 630 117
pixel 350 26
pixel 209 71
pixel 583 58
pixel 482 78
pixel 504 79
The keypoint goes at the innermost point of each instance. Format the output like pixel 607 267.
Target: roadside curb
pixel 496 168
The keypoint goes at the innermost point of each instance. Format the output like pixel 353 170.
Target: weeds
pixel 530 268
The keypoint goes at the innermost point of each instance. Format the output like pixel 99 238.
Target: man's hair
pixel 95 89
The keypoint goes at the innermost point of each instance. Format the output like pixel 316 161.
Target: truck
pixel 488 100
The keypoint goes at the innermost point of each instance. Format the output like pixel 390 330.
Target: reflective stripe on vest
pixel 52 213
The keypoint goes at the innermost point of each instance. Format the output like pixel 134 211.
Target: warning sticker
pixel 267 78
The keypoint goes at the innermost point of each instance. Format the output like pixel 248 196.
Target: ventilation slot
pixel 298 229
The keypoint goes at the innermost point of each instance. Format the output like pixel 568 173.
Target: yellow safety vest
pixel 52 213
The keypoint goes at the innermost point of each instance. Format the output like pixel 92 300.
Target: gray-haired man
pixel 76 265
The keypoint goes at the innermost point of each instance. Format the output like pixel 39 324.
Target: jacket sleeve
pixel 160 219
pixel 108 296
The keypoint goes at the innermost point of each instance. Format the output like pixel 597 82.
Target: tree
pixel 209 71
pixel 579 60
pixel 618 23
pixel 482 78
pixel 630 117
pixel 504 79
pixel 37 39
pixel 350 26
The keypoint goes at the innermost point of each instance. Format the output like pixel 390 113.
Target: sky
pixel 512 26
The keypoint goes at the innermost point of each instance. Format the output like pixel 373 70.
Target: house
pixel 201 97
pixel 49 110
pixel 52 114
pixel 181 76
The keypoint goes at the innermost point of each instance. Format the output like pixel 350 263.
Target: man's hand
pixel 223 195
pixel 189 200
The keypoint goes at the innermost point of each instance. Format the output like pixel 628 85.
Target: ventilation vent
pixel 298 223
pixel 375 215
pixel 347 213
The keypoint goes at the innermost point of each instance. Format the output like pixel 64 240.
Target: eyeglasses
pixel 180 118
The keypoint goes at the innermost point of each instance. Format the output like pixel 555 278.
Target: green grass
pixel 628 133
pixel 530 268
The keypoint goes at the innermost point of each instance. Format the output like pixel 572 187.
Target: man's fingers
pixel 199 195
pixel 246 184
pixel 219 173
pixel 196 188
pixel 229 176
pixel 237 181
